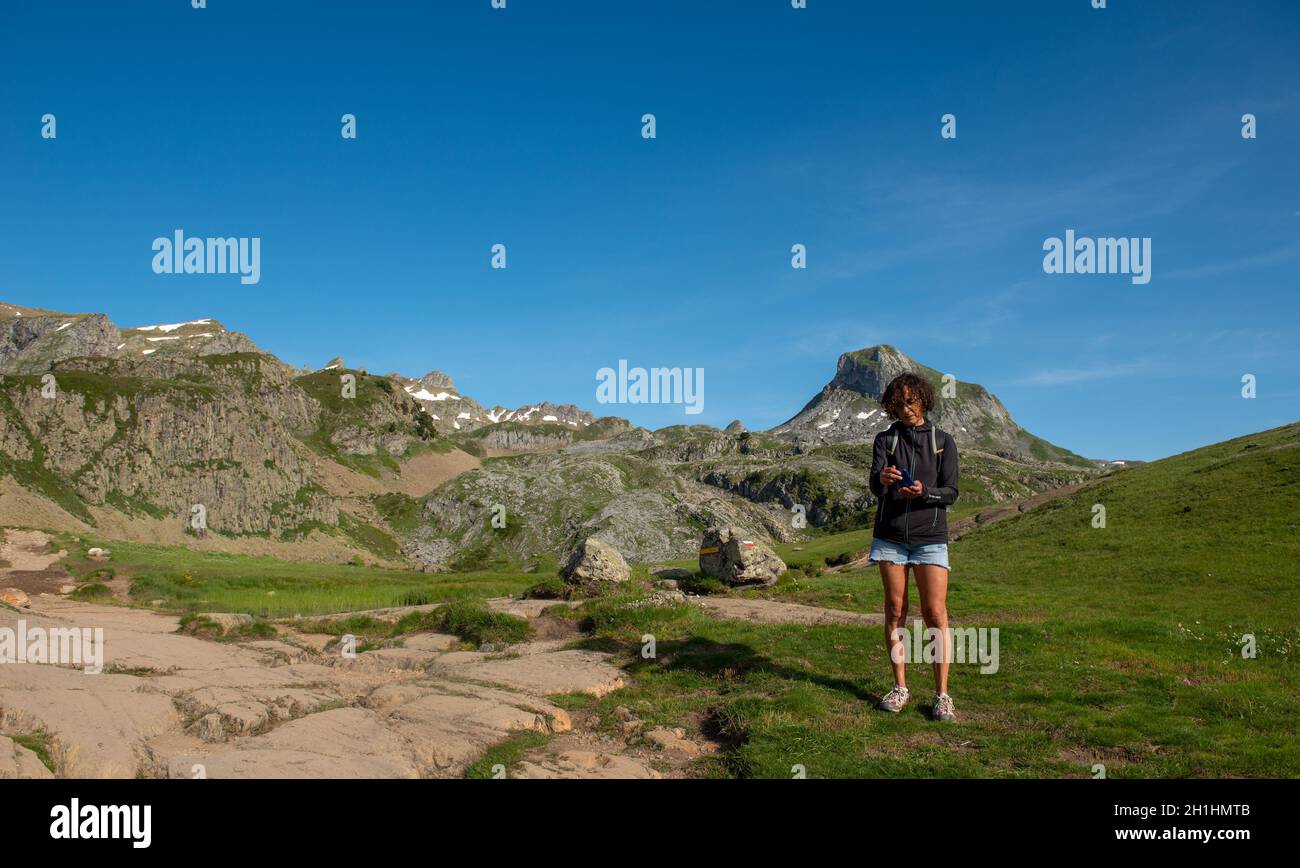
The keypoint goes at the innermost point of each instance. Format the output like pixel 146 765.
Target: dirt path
pixel 1002 511
pixel 776 612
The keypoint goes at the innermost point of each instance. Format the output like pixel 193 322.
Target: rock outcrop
pixel 595 566
pixel 31 342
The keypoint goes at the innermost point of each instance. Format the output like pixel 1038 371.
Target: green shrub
pixel 701 585
pixel 552 588
pixel 474 622
pixel 91 593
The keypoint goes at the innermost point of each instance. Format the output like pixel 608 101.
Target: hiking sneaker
pixel 894 700
pixel 943 708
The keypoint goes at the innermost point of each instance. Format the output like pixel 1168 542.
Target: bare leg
pixel 894 577
pixel 932 585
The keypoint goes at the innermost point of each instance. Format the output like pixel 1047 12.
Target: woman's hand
pixel 916 489
pixel 889 475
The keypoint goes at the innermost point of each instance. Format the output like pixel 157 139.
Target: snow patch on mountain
pixel 171 327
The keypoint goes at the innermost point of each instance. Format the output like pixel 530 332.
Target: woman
pixel 912 527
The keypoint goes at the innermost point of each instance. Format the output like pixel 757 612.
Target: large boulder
pixel 737 557
pixel 595 565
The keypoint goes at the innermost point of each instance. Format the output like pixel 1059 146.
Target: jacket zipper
pixel 907 509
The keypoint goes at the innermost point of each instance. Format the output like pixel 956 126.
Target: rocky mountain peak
pixel 437 380
pixel 869 371
pixel 847 410
pixel 544 413
pixel 200 337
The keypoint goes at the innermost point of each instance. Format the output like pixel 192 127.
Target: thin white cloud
pixel 1241 263
pixel 838 338
pixel 1070 376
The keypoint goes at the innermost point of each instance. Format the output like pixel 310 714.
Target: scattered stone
pixel 15 597
pixel 673 740
pixel 659 598
pixel 666 584
pixel 435 642
pixel 209 728
pixel 596 565
pixel 738 557
pixel 629 724
pixel 19 763
pixel 228 621
pixel 98 553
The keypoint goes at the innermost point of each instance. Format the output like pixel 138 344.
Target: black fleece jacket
pixel 922 520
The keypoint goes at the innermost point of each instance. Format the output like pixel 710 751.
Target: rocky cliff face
pixel 213 432
pixel 31 342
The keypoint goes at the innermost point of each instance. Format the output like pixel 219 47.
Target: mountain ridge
pixel 147 422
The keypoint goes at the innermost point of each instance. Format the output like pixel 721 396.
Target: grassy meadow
pixel 180 578
pixel 1118 645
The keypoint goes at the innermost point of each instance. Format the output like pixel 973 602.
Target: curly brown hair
pixel 904 386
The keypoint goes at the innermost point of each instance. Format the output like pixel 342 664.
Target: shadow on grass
pixel 717 659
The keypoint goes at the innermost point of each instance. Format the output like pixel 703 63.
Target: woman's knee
pixel 935 615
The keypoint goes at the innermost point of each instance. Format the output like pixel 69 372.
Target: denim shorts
pixel 901 553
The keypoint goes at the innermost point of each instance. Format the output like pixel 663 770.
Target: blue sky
pixel 775 126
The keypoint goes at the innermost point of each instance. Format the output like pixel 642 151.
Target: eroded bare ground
pixel 172 705
pixel 168 703
pixel 31 566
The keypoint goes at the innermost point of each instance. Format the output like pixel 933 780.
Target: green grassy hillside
pixel 1118 645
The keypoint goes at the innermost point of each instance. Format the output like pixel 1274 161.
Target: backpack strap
pixel 938 453
pixel 892 441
